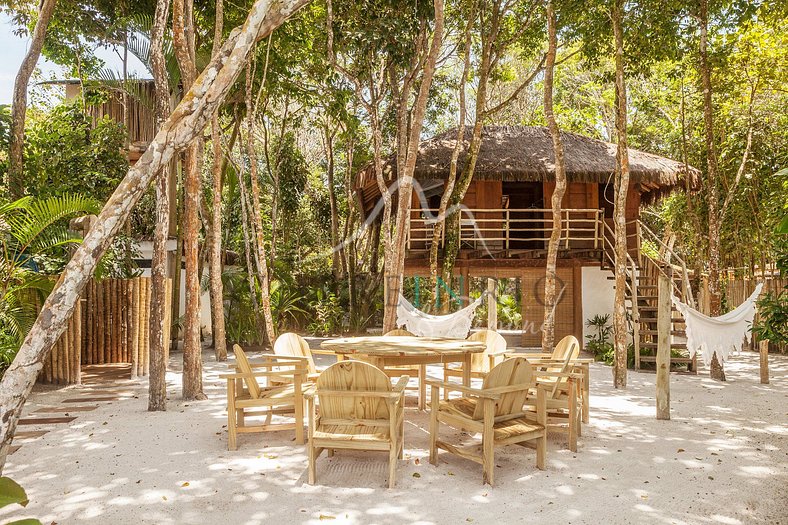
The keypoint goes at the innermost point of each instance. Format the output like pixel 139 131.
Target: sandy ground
pixel 723 458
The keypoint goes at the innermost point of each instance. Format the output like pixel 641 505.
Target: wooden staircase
pixel 642 299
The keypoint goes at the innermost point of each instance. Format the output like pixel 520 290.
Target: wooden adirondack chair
pixel 481 363
pixel 293 345
pixel 358 410
pixel 419 371
pixel 495 411
pixel 564 395
pixel 245 395
pixel 556 362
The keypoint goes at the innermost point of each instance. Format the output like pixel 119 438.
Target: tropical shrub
pixel 328 314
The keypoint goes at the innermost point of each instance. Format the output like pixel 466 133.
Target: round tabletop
pixel 385 346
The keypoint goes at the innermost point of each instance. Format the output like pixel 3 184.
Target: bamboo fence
pixel 111 325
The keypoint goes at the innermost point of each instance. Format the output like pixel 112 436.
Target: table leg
pixel 466 369
pixel 586 390
pixel 422 387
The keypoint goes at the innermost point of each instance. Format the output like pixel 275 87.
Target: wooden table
pixel 388 351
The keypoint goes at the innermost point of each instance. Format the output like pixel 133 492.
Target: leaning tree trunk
pixel 620 205
pixel 395 257
pixel 186 122
pixel 183 44
pixel 215 266
pixel 548 327
pixel 157 386
pixel 716 370
pixel 16 182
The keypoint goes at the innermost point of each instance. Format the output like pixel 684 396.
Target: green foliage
pixel 772 322
pixel 33 233
pixel 65 153
pixel 509 316
pixel 328 314
pixel 599 343
pixel 11 493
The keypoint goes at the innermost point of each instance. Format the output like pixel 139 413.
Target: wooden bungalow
pixel 505 218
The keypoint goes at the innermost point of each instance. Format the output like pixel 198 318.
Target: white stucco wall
pixel 598 295
pixel 146 252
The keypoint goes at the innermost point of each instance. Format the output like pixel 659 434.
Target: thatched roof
pixel 522 153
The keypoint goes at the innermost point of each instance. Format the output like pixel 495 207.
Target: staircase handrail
pixel 686 293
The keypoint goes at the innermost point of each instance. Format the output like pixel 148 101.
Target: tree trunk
pixel 448 190
pixel 548 327
pixel 716 369
pixel 157 386
pixel 215 266
pixel 16 177
pixel 262 265
pixel 336 253
pixel 395 257
pixel 620 205
pixel 183 44
pixel 187 121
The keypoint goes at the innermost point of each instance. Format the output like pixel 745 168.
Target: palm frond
pixel 29 222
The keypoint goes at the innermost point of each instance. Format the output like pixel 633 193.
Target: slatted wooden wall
pixel 532 285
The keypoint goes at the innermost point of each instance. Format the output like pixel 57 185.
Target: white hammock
pixel 707 335
pixel 456 325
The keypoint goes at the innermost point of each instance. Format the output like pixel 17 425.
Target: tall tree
pixel 19 105
pixel 716 369
pixel 186 122
pixel 409 124
pixel 215 266
pixel 503 25
pixel 548 326
pixel 619 208
pixel 183 43
pixel 157 396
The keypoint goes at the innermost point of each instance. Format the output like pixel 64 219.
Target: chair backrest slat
pixel 494 341
pixel 242 363
pixel 511 372
pixel 293 345
pixel 567 350
pixel 352 375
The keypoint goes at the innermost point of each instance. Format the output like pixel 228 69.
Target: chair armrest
pixel 241 375
pixel 572 375
pixel 359 393
pixel 309 393
pixel 322 351
pixel 476 392
pixel 401 384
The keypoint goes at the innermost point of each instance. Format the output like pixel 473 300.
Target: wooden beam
pixel 492 305
pixel 663 344
pixel 763 348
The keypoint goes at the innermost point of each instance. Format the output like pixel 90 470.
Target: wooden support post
pixel 492 306
pixel 763 348
pixel 135 327
pixel 78 341
pixel 663 344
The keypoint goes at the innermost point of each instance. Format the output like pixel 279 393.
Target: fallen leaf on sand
pixel 416 475
pixel 326 517
pixel 680 450
pixel 185 484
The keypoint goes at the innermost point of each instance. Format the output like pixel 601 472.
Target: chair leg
pixel 312 460
pixel 435 399
pixel 393 463
pixel 445 380
pixel 231 416
pixel 541 451
pixel 488 441
pixel 572 419
pixel 422 387
pixel 299 421
pixel 330 453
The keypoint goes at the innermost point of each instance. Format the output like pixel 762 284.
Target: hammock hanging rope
pixel 707 335
pixel 456 325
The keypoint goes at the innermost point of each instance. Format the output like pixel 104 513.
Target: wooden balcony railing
pixel 511 229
